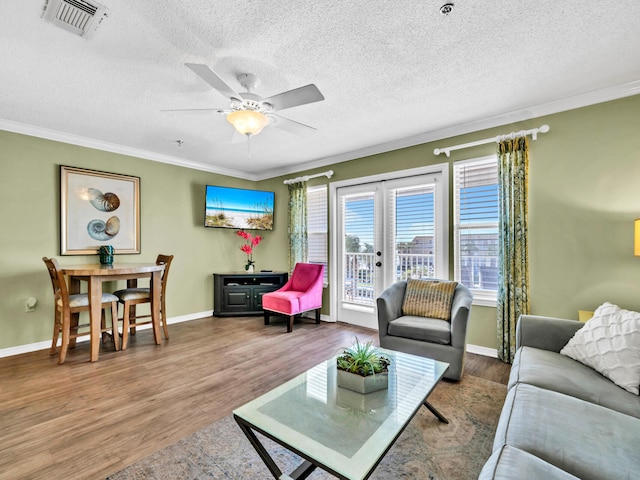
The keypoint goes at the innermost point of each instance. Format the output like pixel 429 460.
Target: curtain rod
pixel 328 174
pixel 522 133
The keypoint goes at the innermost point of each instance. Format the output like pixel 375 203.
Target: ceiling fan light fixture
pixel 248 122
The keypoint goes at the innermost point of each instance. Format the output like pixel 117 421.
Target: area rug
pixel 427 449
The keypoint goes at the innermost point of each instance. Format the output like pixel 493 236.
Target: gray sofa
pixel 562 419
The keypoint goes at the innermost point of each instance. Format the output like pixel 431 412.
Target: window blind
pixel 476 225
pixel 413 209
pixel 317 240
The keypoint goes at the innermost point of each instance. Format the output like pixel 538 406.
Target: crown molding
pixel 527 113
pixel 48 134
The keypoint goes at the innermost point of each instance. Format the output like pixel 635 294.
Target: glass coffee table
pixel 343 432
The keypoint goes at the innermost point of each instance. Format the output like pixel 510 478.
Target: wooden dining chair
pixel 67 304
pixel 130 297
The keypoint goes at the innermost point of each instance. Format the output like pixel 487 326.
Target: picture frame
pixel 98 208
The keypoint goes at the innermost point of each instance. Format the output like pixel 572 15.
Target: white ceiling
pixel 393 73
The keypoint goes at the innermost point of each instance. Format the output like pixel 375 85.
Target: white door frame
pixel 442 168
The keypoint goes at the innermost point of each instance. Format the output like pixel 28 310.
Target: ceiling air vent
pixel 77 16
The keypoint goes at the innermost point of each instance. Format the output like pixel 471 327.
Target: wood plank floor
pixel 86 420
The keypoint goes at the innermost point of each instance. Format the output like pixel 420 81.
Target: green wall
pixel 584 195
pixel 584 177
pixel 172 217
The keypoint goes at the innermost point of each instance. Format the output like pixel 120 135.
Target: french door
pixel 387 230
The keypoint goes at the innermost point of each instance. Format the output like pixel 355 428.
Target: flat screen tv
pixel 239 208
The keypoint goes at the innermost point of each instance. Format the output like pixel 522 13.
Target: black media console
pixel 236 294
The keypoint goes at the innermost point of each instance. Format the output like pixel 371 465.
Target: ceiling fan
pixel 248 112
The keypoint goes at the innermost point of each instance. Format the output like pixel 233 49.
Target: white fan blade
pixel 292 126
pixel 212 78
pixel 295 97
pixel 195 111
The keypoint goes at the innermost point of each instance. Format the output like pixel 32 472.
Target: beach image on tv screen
pixel 238 208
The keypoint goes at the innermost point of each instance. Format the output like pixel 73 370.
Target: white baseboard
pixel 312 315
pixel 33 347
pixel 186 318
pixel 476 349
pixel 479 350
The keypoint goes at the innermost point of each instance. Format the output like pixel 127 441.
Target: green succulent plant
pixel 363 359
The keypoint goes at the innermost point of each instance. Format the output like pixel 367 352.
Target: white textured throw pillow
pixel 610 344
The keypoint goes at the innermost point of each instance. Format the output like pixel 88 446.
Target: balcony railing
pixel 358 278
pixel 360 268
pixel 413 265
pixel 478 272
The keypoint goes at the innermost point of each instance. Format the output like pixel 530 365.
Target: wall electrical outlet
pixel 31 304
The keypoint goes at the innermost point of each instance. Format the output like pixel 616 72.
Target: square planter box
pixel 360 384
pixel 363 403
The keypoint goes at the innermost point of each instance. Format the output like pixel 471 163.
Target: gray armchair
pixel 441 340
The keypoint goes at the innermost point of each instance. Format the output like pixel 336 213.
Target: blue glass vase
pixel 106 254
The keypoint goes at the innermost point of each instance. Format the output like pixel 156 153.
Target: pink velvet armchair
pixel 303 292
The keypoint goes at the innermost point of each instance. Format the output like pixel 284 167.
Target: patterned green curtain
pixel 513 277
pixel 297 223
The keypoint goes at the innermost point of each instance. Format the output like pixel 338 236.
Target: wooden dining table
pixel 95 274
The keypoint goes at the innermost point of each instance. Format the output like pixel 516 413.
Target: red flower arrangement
pixel 251 243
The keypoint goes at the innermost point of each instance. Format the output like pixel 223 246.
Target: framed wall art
pixel 96 209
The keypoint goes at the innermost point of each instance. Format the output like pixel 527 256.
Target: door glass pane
pixel 415 235
pixel 359 249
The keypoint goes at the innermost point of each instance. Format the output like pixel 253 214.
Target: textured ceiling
pixel 393 73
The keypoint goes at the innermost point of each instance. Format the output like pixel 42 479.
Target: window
pixel 317 227
pixel 476 227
